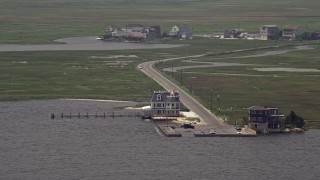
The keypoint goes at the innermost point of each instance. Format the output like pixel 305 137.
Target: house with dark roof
pixel 237 33
pixel 180 31
pixel 315 36
pixel 221 34
pixel 165 104
pixel 263 118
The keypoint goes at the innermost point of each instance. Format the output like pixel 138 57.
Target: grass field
pixel 35 21
pixel 45 75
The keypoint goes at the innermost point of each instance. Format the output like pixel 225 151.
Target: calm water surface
pixel 32 146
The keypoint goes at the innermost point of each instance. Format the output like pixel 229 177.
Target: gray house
pixel 221 34
pixel 180 31
pixel 165 104
pixel 269 32
pixel 264 118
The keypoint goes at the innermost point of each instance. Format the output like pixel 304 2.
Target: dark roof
pixel 133 25
pixel 261 108
pixel 165 96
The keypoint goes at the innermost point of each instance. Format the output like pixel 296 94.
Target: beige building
pixel 292 31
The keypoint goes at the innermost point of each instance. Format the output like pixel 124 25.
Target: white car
pixel 140 67
pixel 212 131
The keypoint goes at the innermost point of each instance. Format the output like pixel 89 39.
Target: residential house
pixel 269 32
pixel 132 32
pixel 292 31
pixel 252 36
pixel 264 118
pixel 180 31
pixel 315 36
pixel 221 34
pixel 237 33
pixel 157 30
pixel 165 104
pixel 139 32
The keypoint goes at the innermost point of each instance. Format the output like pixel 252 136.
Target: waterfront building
pixel 264 118
pixel 165 104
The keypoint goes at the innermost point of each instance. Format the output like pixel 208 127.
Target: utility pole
pixel 181 76
pixel 211 103
pixel 234 114
pixel 219 103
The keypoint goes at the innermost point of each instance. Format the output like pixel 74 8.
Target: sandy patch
pixel 20 62
pixel 286 69
pixel 117 63
pixel 294 8
pixel 95 100
pixel 113 57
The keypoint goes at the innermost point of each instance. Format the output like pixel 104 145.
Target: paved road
pixel 210 119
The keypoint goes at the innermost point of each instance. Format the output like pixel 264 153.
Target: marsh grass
pixel 245 87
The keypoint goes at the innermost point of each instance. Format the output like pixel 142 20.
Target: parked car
pixel 238 127
pixel 186 126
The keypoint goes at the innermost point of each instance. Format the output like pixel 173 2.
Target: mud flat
pixel 82 44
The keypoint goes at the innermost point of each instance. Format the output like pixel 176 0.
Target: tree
pixel 245 121
pixel 294 120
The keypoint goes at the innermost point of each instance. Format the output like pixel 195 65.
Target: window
pixel 159 97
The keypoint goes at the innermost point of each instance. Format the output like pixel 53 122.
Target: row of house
pixel 266 32
pixel 132 32
pixel 138 32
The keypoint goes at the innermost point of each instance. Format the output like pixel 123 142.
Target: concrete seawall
pixel 168 131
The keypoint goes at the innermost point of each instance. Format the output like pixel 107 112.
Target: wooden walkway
pixel 95 115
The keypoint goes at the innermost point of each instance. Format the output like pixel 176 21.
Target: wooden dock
pixel 223 135
pixel 94 115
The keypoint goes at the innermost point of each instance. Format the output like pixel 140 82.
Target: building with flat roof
pixel 269 32
pixel 264 118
